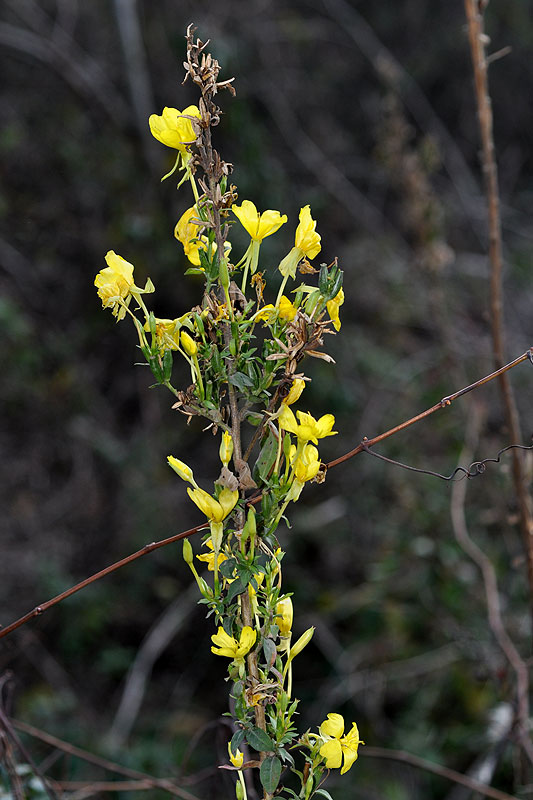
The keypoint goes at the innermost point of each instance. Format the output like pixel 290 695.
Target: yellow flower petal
pixel 247 641
pixel 207 504
pixel 333 726
pixel 333 309
pixel 173 129
pixel 332 752
pixel 297 387
pixel 227 500
pixel 286 309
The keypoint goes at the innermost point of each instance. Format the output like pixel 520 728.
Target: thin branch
pixel 477 39
pixel 446 401
pixel 437 769
pixel 148 548
pixel 110 766
pixel 492 597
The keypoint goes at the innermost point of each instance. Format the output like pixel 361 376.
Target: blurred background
pixel 366 111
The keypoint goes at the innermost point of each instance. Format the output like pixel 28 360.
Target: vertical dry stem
pixel 477 40
pixel 492 597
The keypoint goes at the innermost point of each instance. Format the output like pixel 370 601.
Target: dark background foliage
pixel 365 111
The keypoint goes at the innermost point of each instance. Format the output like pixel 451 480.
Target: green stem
pixel 281 288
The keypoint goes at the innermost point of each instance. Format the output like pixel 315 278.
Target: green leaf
pixel 237 587
pixel 227 567
pixel 236 740
pixel 240 380
pixel 269 649
pixel 324 793
pixel 270 773
pixel 259 740
pixel 267 457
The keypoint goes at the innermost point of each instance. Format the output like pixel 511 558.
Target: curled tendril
pixel 476 467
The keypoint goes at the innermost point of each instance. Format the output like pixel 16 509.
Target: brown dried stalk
pixel 477 37
pixel 492 597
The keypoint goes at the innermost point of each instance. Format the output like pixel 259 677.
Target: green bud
pixel 223 274
pixel 239 791
pixel 187 552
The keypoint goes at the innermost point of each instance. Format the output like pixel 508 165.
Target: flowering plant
pixel 245 358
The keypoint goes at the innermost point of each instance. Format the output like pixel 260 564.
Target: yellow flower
pixel 308 429
pixel 227 646
pixel 339 747
pixel 257 225
pixel 307 464
pixel 286 309
pixel 284 615
pixel 115 284
pixel 238 759
pixel 306 244
pixel 167 333
pixel 173 128
pixel 214 510
pixel 306 238
pixel 333 309
pixel 187 231
pixel 209 558
pixel 297 387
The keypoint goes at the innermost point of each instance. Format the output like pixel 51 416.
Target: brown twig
pixel 478 39
pixel 110 766
pixel 437 769
pixel 444 403
pixel 492 598
pixel 148 548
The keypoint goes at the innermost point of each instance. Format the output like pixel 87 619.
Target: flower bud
pixel 187 552
pixel 223 274
pixel 304 640
pixel 226 448
pixel 188 344
pixel 181 469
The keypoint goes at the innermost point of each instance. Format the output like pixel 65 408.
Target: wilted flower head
pixel 333 309
pixel 115 284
